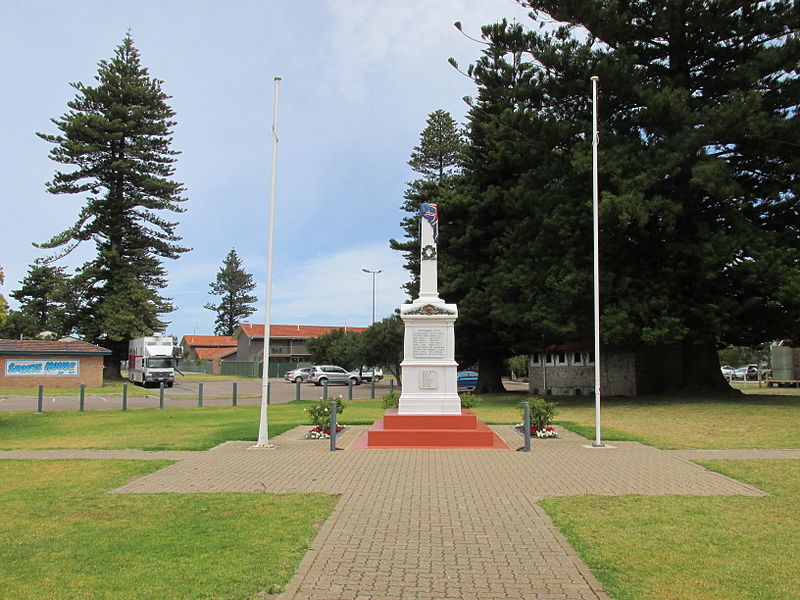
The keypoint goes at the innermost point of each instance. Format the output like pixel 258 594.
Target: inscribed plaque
pixel 429 379
pixel 429 343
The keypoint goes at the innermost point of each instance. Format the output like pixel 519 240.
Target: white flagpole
pixel 596 218
pixel 263 435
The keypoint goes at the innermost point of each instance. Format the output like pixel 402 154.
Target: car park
pixel 295 375
pixel 321 374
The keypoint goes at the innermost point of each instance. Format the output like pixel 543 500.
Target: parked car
pixel 750 372
pixel 466 381
pixel 296 375
pixel 727 371
pixel 319 374
pixel 369 373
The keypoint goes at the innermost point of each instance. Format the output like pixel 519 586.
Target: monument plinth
pixel 429 413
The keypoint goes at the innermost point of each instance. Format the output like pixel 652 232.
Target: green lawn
pixel 154 429
pixel 693 548
pixel 62 536
pixel 745 422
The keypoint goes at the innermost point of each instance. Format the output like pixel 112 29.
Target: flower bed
pixel 543 432
pixel 318 433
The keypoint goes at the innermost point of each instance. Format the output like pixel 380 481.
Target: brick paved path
pixel 440 524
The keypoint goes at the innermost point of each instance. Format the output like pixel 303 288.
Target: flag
pixel 430 212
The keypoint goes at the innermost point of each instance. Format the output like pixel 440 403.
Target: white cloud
pixel 332 289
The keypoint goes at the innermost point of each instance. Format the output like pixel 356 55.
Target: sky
pixel 359 79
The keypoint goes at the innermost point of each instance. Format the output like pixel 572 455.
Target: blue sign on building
pixel 40 368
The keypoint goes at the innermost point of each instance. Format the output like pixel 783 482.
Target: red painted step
pixel 429 431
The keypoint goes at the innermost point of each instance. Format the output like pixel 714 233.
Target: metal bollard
pixel 333 427
pixel 391 386
pixel 233 394
pixel 124 396
pixel 82 397
pixel 161 395
pixel 526 427
pixel 199 394
pixel 297 390
pixel 39 401
pixel 349 389
pixel 372 388
pixel 325 390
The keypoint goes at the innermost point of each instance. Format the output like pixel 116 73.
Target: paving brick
pixel 437 524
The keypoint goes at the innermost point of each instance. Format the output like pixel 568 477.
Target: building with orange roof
pixel 287 343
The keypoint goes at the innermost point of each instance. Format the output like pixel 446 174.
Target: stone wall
pixel 617 371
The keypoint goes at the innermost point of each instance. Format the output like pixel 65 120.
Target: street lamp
pixel 374 273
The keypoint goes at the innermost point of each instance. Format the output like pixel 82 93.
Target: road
pixel 186 393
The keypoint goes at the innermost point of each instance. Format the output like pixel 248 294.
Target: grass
pixel 693 548
pixel 154 429
pixel 745 422
pixel 749 421
pixel 62 536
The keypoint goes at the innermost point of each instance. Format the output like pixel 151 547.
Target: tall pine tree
pixel 700 241
pixel 45 294
pixel 438 159
pixel 3 303
pixel 234 285
pixel 117 138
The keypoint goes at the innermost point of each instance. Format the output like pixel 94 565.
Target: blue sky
pixel 359 79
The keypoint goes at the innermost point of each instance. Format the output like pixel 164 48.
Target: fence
pixel 195 366
pixel 254 369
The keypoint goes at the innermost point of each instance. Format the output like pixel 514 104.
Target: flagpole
pixel 263 434
pixel 598 443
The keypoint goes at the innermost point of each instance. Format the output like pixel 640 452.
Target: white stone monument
pixel 429 367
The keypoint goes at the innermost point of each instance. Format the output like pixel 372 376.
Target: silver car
pixel 332 374
pixel 296 375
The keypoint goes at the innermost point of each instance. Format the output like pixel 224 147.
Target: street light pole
pixel 374 273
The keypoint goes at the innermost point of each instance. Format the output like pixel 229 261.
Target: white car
pixel 369 373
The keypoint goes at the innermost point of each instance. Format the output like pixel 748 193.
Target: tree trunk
pixel 490 370
pixel 111 364
pixel 701 371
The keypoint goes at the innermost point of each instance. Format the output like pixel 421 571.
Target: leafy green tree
pixel 699 241
pixel 45 294
pixel 117 138
pixel 234 285
pixel 3 303
pixel 339 347
pixel 437 158
pixel 18 326
pixel 383 345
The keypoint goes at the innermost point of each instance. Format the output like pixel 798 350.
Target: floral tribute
pixel 545 432
pixel 542 413
pixel 316 433
pixel 320 415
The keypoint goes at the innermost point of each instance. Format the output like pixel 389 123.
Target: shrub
pixel 542 411
pixel 470 401
pixel 391 400
pixel 320 411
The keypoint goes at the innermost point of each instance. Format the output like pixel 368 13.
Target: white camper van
pixel 150 360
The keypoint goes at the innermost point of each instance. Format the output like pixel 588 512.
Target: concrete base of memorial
pixel 429 431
